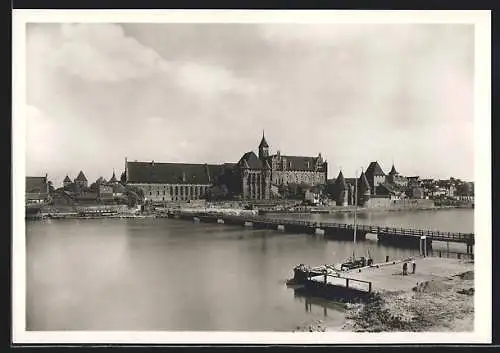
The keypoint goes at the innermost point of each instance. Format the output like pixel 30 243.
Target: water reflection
pixel 326 307
pixel 163 274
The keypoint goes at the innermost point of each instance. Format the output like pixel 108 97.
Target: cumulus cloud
pixel 104 53
pixel 204 92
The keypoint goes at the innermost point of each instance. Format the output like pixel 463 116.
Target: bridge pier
pixel 233 221
pixel 403 240
pixel 262 225
pixel 299 228
pixel 208 219
pixel 343 233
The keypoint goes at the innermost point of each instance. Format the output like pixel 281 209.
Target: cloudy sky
pixel 203 93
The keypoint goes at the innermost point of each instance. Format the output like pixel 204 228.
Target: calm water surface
pixel 164 274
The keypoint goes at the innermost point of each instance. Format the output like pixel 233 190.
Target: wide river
pixel 166 274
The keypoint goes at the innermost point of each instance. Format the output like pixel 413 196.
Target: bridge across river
pixel 341 231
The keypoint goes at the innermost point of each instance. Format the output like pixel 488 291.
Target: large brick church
pixel 254 177
pixel 261 175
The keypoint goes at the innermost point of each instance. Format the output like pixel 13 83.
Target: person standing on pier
pixel 413 266
pixel 405 269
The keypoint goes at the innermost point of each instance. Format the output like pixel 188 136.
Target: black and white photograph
pixel 251 177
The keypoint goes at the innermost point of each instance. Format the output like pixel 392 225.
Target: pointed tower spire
pixel 364 186
pixel 263 142
pixel 393 170
pixel 263 147
pixel 341 184
pixel 113 178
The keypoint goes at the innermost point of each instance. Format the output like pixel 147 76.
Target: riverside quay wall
pixel 403 204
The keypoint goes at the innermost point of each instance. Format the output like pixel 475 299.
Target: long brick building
pixel 253 177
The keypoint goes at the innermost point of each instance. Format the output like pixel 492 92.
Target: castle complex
pixel 253 177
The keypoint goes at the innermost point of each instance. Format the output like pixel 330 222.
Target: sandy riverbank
pixel 443 303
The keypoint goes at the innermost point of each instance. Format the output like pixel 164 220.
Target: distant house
pixel 375 176
pixel 67 181
pixel 438 192
pixel 451 191
pixel 395 178
pixel 105 192
pixel 312 197
pixel 118 190
pixel 37 190
pixel 414 181
pixel 417 192
pixel 390 191
pixel 81 180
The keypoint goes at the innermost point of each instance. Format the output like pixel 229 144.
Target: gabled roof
pixel 263 142
pixel 389 188
pixel 172 173
pixel 67 179
pixel 250 160
pixel 300 163
pixel 81 176
pixel 374 169
pixel 36 185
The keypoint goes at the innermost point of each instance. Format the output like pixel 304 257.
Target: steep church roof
pixel 67 179
pixel 374 169
pixel 172 173
pixel 81 176
pixel 250 160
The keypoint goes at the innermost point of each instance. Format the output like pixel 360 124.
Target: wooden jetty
pixel 360 284
pixel 340 231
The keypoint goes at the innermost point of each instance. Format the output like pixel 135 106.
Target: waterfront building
pixel 104 190
pixel 37 190
pixel 262 177
pixel 395 178
pixel 341 191
pixel 161 182
pixel 118 189
pixel 364 189
pixel 67 181
pixel 255 173
pixel 253 177
pixel 81 180
pixel 375 176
